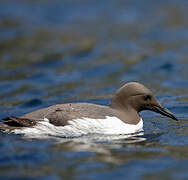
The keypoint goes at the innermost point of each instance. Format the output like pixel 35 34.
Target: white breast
pixel 78 127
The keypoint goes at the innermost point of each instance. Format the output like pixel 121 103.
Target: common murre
pixel 75 119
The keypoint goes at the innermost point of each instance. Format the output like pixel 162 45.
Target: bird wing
pixel 58 115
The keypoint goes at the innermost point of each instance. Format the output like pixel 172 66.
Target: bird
pixel 121 116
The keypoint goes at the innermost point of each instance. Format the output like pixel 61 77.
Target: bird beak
pixel 158 108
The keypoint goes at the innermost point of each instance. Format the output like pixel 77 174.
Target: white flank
pixel 78 127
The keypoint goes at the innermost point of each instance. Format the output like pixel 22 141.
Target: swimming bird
pixel 121 116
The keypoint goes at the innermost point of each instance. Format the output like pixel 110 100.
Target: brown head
pixel 136 96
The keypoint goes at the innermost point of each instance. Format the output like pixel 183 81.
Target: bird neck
pixel 127 113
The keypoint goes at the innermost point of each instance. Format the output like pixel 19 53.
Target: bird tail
pixel 12 122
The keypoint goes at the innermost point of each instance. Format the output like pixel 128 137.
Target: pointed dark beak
pixel 164 112
pixel 158 108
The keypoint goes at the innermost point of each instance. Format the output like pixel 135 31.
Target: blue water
pixel 83 51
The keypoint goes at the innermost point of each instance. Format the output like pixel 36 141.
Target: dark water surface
pixel 83 50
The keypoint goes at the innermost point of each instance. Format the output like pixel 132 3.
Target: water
pixel 82 51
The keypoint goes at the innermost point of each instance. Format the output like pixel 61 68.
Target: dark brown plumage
pixel 126 104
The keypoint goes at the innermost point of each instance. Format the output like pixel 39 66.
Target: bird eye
pixel 147 97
